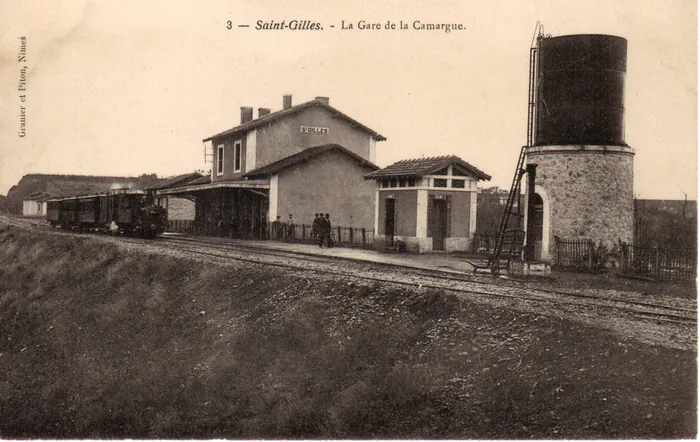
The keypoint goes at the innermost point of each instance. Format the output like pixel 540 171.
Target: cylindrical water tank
pixel 580 90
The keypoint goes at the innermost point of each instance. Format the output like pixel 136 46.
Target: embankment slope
pixel 101 341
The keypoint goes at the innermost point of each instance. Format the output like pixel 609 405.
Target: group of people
pixel 321 229
pixel 281 230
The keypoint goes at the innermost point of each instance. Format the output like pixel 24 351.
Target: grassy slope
pixel 100 342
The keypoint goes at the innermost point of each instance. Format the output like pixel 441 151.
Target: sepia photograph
pixel 331 220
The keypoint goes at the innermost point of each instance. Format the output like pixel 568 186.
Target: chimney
pixel 262 111
pixel 323 99
pixel 286 102
pixel 246 114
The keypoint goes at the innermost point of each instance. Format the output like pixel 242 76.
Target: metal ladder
pixel 515 238
pixel 513 235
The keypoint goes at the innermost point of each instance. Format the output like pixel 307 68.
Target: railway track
pixel 435 279
pixel 402 275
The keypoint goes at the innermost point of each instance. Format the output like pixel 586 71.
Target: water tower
pixel 583 179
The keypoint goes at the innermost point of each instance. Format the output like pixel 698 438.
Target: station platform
pixel 446 262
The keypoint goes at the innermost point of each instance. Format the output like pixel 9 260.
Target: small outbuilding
pixel 35 204
pixel 428 204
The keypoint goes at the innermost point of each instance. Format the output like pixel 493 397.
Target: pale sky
pixel 131 87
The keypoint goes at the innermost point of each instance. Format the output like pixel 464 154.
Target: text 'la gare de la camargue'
pixel 362 25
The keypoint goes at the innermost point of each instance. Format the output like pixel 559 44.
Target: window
pixel 220 160
pixel 442 171
pixel 393 182
pixel 38 207
pixel 402 182
pixel 411 182
pixel 439 182
pixel 458 184
pixel 237 147
pixel 458 172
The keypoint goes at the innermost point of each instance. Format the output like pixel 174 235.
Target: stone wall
pixel 589 191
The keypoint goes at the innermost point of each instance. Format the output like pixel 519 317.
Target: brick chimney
pixel 246 114
pixel 286 102
pixel 262 111
pixel 323 99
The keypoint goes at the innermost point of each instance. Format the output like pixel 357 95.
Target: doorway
pixel 390 221
pixel 438 229
pixel 537 224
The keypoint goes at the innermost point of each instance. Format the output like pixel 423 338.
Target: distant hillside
pixel 70 185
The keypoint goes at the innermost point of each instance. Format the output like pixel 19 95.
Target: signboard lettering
pixel 315 130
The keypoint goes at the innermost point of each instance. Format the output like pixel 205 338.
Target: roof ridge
pixel 252 124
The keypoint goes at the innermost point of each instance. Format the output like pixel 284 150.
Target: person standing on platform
pixel 329 230
pixel 277 228
pixel 322 229
pixel 315 227
pixel 290 227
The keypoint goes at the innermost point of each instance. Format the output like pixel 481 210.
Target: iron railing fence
pixel 658 263
pixel 483 244
pixel 180 226
pixel 344 236
pixel 577 254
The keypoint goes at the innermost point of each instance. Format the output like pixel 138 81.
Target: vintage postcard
pixel 319 219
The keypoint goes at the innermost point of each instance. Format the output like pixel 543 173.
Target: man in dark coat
pixel 328 229
pixel 316 230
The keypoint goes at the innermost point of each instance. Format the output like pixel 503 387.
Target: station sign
pixel 315 130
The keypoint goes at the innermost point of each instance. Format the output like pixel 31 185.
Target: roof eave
pixel 246 127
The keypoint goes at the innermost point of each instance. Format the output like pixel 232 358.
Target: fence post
pixel 591 247
pixel 364 237
pixel 339 240
pixel 351 235
pixel 657 271
pixel 303 231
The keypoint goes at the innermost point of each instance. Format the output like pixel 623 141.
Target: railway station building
pixel 428 204
pixel 300 160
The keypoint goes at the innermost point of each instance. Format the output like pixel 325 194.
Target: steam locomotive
pixel 120 211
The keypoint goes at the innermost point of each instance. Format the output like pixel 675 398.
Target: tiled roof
pixel 304 155
pixel 424 166
pixel 203 180
pixel 177 181
pixel 283 113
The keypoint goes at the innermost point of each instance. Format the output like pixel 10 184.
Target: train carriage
pixel 89 211
pixel 53 211
pixel 68 217
pixel 120 211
